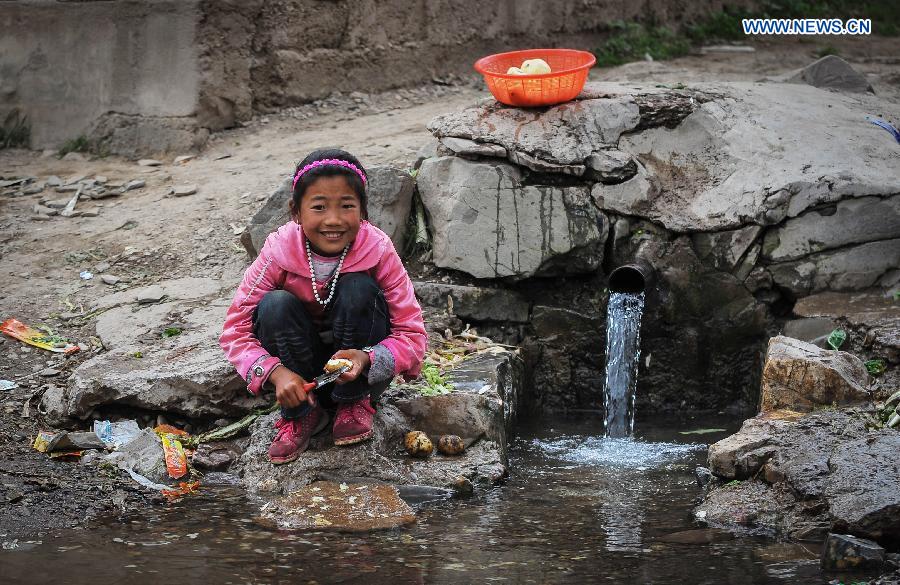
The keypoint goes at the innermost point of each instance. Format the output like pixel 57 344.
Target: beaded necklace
pixel 334 277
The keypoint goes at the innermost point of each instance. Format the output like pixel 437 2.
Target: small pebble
pixel 135 184
pixel 49 372
pixel 183 190
pixel 109 278
pixel 149 162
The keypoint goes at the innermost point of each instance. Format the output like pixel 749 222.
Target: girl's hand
pixel 291 390
pixel 360 361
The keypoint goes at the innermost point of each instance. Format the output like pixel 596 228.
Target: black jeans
pixel 357 316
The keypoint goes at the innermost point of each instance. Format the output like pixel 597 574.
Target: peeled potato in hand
pixel 337 364
pixel 535 67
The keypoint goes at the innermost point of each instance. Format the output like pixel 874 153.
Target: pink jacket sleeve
pixel 241 347
pixel 408 340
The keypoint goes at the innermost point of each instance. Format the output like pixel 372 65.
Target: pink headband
pixel 328 161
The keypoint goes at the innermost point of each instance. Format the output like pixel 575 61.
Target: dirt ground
pixel 147 235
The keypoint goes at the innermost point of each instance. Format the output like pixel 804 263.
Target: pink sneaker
pixel 353 422
pixel 293 435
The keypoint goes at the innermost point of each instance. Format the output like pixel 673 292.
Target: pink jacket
pixel 283 264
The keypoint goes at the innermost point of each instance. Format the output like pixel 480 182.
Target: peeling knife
pixel 326 378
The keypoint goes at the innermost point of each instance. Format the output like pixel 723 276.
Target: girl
pixel 327 284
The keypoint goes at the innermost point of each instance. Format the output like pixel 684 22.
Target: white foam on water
pixel 624 452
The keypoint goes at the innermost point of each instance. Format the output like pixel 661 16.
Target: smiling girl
pixel 326 285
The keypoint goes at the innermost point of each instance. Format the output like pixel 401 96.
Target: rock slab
pixel 800 376
pixel 340 507
pixel 844 552
pixel 486 222
pixel 481 410
pixel 803 476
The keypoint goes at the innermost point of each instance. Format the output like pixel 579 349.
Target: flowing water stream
pixel 576 509
pixel 623 351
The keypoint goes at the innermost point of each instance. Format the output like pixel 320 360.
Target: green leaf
pixel 875 367
pixel 171 331
pixel 137 354
pixel 837 339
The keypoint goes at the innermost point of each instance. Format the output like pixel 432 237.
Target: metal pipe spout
pixel 632 278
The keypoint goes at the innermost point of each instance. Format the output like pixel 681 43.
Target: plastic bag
pixel 116 434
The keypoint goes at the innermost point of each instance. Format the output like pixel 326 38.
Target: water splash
pixel 623 349
pixel 627 453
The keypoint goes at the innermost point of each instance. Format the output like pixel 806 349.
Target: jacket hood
pixel 287 248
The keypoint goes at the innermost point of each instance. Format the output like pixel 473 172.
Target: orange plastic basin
pixel 569 70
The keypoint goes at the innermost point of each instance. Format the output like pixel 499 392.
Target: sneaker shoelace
pixel 286 427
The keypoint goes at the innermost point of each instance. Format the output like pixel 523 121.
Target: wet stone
pixel 340 507
pixel 843 552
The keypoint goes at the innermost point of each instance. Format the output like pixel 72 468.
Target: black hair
pixel 311 175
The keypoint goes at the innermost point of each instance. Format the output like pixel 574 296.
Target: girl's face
pixel 330 213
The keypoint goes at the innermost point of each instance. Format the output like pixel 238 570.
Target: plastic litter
pixel 886 125
pixel 86 275
pixel 49 341
pixel 42 441
pixel 184 488
pixel 8 385
pixel 116 434
pixel 62 454
pixel 144 481
pixel 176 460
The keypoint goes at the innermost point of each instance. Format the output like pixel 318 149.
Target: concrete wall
pixel 66 64
pixel 143 76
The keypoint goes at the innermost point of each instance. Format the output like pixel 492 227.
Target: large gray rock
pixel 852 221
pixel 843 552
pixel 481 409
pixel 488 223
pixel 703 175
pixel 801 377
pixel 863 491
pixel 473 302
pixel 389 201
pixel 831 72
pixel 185 374
pixel 565 134
pixel 846 269
pixel 805 476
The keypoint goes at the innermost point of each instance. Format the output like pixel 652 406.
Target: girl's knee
pixel 275 305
